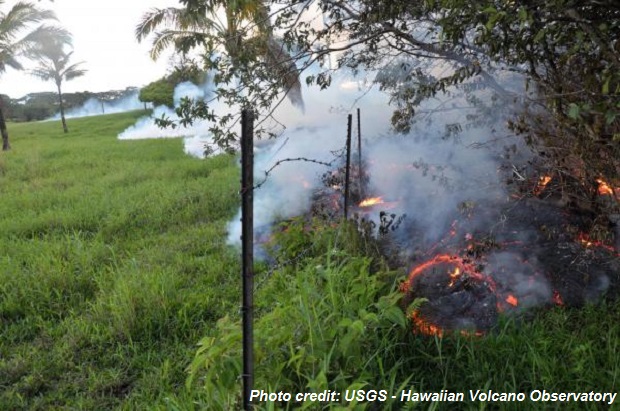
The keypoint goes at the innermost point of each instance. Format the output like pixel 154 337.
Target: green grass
pixel 114 268
pixel 113 264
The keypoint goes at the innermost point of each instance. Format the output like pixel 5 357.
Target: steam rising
pixel 315 135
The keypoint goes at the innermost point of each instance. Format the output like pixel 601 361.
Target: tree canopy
pixel 21 30
pixel 54 64
pixel 567 52
pixel 161 92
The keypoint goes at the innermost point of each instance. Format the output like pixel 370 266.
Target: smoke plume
pixel 96 107
pixel 195 136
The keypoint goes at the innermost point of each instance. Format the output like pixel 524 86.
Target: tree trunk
pixel 5 134
pixel 62 110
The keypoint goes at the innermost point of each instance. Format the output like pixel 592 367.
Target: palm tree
pixel 198 24
pixel 54 65
pixel 18 39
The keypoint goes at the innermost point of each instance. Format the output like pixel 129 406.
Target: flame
pixel 587 242
pixel 369 202
pixel 584 239
pixel 603 188
pixel 557 298
pixel 512 300
pixel 542 183
pixel 454 276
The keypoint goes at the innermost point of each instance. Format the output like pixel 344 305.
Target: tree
pixel 370 35
pixel 18 38
pixel 246 37
pixel 54 65
pixel 567 50
pixel 161 92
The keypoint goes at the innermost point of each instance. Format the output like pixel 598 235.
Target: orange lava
pixel 425 327
pixel 459 267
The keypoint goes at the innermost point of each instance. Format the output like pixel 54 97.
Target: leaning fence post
pixel 360 174
pixel 359 140
pixel 348 168
pixel 247 250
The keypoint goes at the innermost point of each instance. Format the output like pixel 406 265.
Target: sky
pixel 103 37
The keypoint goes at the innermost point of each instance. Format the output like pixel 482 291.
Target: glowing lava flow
pixel 456 271
pixel 425 327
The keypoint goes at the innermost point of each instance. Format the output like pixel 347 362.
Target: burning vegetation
pixel 474 248
pixel 537 253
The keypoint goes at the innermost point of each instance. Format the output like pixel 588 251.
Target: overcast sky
pixel 103 37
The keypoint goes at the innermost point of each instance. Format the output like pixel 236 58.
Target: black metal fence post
pixel 360 173
pixel 359 140
pixel 247 250
pixel 348 169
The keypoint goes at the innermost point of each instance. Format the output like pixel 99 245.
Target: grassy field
pixel 113 264
pixel 117 291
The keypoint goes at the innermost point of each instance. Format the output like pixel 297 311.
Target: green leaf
pixel 606 85
pixel 539 36
pixel 395 315
pixel 573 111
pixel 610 116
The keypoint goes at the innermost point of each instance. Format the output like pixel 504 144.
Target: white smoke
pixel 96 107
pixel 196 135
pixel 428 175
pixel 315 135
